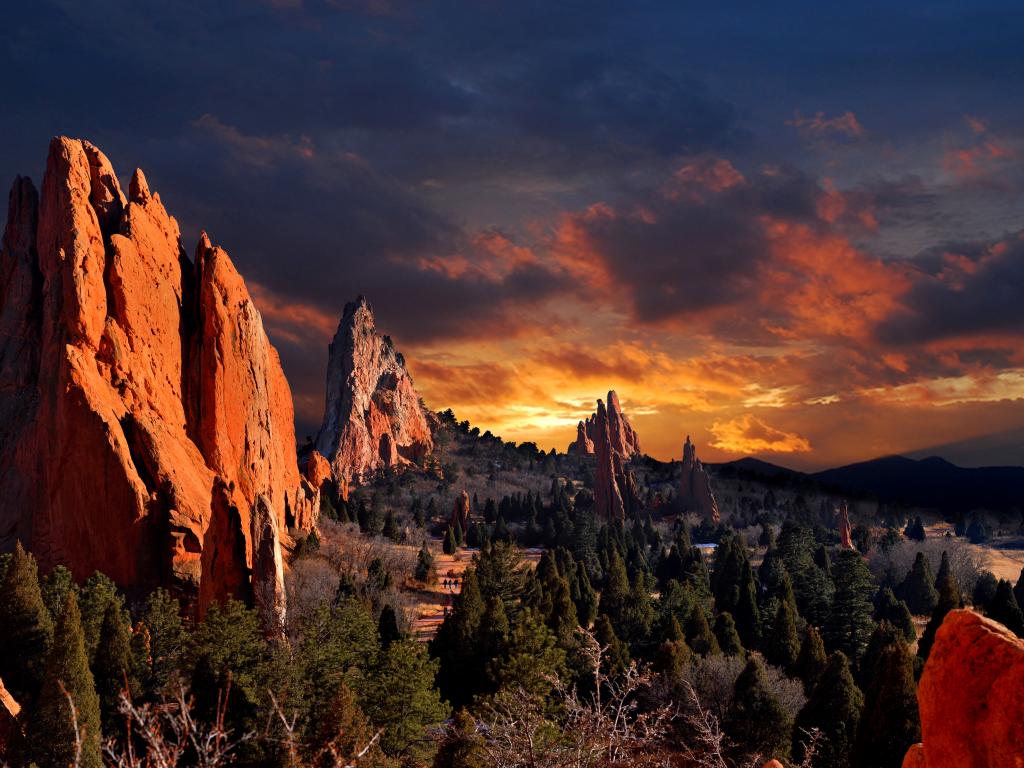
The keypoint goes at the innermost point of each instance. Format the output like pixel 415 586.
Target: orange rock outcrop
pixel 373 418
pixel 623 438
pixel 971 697
pixel 146 426
pixel 845 528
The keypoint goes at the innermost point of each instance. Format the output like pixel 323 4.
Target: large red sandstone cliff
pixel 971 697
pixel 373 418
pixel 146 427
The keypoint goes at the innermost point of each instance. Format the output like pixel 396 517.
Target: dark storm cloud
pixel 963 290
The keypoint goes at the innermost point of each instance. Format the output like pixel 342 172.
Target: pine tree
pixel 168 640
pixel 782 648
pixel 834 709
pixel 586 606
pixel 424 564
pixel 532 658
pixel 402 699
pixel 387 627
pixel 811 587
pixel 98 592
pixel 727 636
pixel 811 661
pixel 50 730
pixel 1018 588
pixel 949 600
pixel 55 587
pixel 748 617
pixel 755 720
pixel 27 628
pixel 113 667
pixel 890 608
pixel 616 594
pixel 850 624
pixel 456 646
pixel 890 723
pixel 616 658
pixel 698 633
pixel 460 745
pixel 1004 609
pixel 918 588
pixel 984 589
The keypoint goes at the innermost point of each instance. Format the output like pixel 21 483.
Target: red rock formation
pixel 845 529
pixel 9 710
pixel 316 469
pixel 372 418
pixel 915 757
pixel 144 415
pixel 773 764
pixel 695 494
pixel 624 439
pixel 971 696
pixel 460 512
pixel 608 503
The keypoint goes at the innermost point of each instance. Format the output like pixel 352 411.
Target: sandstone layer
pixel 971 697
pixel 373 418
pixel 695 494
pixel 623 438
pixel 146 426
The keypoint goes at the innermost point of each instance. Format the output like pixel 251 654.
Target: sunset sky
pixel 792 230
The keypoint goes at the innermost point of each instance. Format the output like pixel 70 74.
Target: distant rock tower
pixel 623 438
pixel 845 529
pixel 695 493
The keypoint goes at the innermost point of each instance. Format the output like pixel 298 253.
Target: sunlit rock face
pixel 373 417
pixel 144 415
pixel 971 697
pixel 695 493
pixel 623 438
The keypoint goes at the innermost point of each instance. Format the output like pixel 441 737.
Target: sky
pixel 791 230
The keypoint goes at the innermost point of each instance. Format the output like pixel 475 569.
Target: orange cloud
pixel 748 434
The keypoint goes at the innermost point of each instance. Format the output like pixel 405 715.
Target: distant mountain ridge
pixel 930 482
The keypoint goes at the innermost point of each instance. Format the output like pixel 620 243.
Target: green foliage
pixel 460 746
pixel 27 630
pixel 984 589
pixel 812 588
pixel 455 645
pixel 890 723
pixel 55 587
pixel 782 647
pixel 500 571
pixel 918 588
pixel 532 657
pixel 616 594
pixel 113 666
pixel 850 622
pixel 50 730
pixel 1004 609
pixel 424 564
pixel 401 698
pixel 616 658
pixel 698 633
pixel 811 661
pixel 98 592
pixel 756 721
pixel 748 617
pixel 727 636
pixel 949 600
pixel 890 608
pixel 449 546
pixel 586 602
pixel 169 643
pixel 834 708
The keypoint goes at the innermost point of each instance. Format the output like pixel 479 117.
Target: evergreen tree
pixel 55 587
pixel 811 661
pixel 834 709
pixel 616 595
pixel 984 589
pixel 748 617
pixel 98 592
pixel 533 657
pixel 27 631
pixel 890 723
pixel 113 667
pixel 424 564
pixel 698 633
pixel 169 643
pixel 387 627
pixel 616 658
pixel 391 528
pixel 755 720
pixel 1018 588
pixel 726 635
pixel 50 732
pixel 782 647
pixel 402 699
pixel 850 624
pixel 811 587
pixel 1004 609
pixel 823 561
pixel 456 647
pixel 949 600
pixel 460 746
pixel 890 608
pixel 918 588
pixel 586 605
